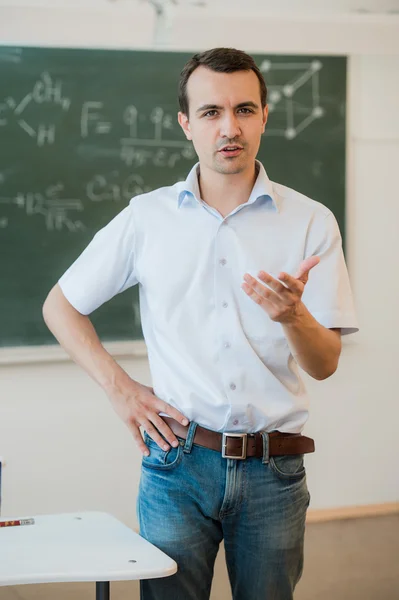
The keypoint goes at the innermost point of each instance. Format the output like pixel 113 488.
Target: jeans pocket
pixel 288 466
pixel 161 459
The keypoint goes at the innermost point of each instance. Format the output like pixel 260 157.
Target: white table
pixel 87 546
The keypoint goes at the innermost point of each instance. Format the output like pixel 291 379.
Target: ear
pixel 264 117
pixel 184 124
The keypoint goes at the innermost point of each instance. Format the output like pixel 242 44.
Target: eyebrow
pixel 215 106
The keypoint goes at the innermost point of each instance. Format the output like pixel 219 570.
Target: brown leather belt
pixel 244 445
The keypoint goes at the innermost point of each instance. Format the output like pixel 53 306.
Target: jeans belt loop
pixel 190 437
pixel 265 440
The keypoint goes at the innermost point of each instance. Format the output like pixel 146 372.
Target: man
pixel 228 312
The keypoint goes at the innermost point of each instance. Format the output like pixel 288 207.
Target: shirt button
pixel 222 261
pixel 233 386
pixel 225 304
pixel 235 422
pixel 227 344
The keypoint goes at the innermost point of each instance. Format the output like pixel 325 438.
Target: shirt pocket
pixel 274 352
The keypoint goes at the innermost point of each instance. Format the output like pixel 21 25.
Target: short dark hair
pixel 220 60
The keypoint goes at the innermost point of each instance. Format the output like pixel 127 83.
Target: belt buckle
pixel 243 437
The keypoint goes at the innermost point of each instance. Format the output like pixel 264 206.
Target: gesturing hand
pixel 280 299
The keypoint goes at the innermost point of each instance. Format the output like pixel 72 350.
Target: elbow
pixel 52 304
pixel 327 371
pixel 45 309
pixel 324 375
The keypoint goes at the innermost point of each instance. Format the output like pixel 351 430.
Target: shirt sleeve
pixel 327 294
pixel 105 268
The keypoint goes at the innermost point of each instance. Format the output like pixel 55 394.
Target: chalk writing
pixel 46 91
pixel 91 119
pixel 157 151
pixel 50 206
pixel 102 188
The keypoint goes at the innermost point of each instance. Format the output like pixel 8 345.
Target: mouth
pixel 229 151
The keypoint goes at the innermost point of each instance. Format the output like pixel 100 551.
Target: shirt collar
pixel 263 187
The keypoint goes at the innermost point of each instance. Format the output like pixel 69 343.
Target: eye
pixel 247 110
pixel 207 114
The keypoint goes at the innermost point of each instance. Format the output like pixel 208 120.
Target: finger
pixel 276 285
pixel 305 266
pixel 294 285
pixel 162 406
pixel 165 430
pixel 138 438
pixel 269 307
pixel 256 290
pixel 154 434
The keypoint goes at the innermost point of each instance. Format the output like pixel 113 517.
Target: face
pixel 226 119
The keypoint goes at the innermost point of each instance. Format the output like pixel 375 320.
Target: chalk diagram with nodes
pixel 291 107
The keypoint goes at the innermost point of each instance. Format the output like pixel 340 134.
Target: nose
pixel 229 126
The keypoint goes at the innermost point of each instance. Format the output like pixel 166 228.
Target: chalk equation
pixel 58 211
pixel 53 208
pixel 146 141
pixel 110 189
pixel 132 151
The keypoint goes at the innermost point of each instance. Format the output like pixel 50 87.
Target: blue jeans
pixel 190 498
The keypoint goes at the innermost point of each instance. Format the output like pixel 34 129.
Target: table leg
pixel 102 590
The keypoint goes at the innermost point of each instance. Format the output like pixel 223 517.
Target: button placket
pixel 222 300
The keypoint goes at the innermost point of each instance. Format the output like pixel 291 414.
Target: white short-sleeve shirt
pixel 214 353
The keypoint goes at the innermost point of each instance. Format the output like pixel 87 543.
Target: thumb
pixel 305 266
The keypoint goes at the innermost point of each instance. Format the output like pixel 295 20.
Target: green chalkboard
pixel 82 131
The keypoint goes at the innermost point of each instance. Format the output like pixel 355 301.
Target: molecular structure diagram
pixel 289 116
pixel 44 92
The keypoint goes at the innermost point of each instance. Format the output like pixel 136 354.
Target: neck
pixel 226 192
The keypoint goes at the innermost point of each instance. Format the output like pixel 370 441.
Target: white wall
pixel 187 26
pixel 64 447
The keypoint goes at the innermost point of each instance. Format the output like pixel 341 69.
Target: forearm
pixel 77 336
pixel 315 348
